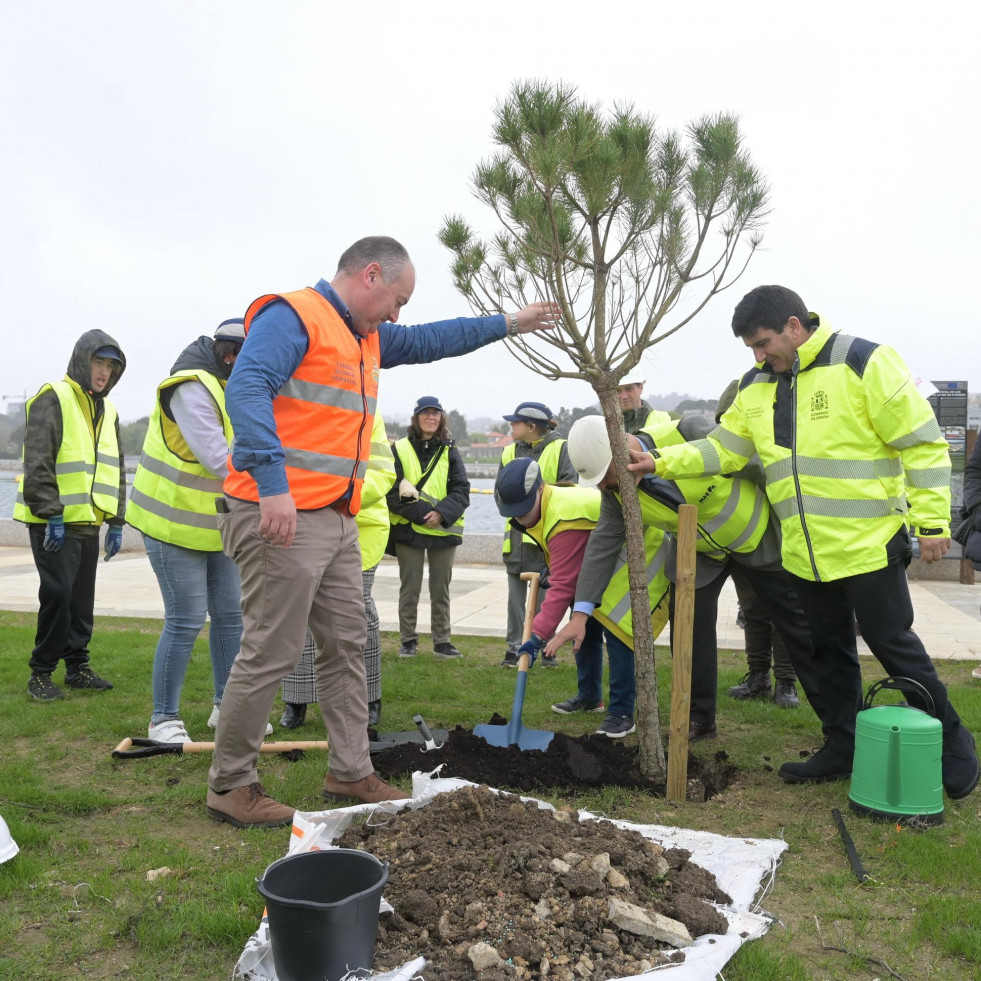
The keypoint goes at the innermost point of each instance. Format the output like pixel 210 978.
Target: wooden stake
pixel 681 635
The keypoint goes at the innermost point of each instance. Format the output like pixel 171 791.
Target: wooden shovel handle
pixel 532 604
pixel 140 748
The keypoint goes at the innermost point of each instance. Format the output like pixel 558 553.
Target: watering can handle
pixel 907 685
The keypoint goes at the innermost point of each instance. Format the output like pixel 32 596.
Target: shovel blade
pixel 526 738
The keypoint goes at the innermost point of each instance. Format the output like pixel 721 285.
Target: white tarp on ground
pixel 743 867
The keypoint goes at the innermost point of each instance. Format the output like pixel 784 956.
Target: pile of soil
pixel 486 885
pixel 569 763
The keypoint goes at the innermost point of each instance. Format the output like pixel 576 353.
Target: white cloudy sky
pixel 165 163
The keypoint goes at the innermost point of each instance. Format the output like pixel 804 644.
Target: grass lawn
pixel 76 901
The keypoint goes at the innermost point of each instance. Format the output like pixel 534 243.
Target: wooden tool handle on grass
pixel 135 748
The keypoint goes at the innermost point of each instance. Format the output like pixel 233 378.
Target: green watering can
pixel 896 773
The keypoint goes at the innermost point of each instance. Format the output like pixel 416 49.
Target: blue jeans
pixel 589 666
pixel 194 585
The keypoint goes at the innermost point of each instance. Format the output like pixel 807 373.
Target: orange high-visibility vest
pixel 325 411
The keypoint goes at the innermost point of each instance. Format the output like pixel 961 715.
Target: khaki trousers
pixel 315 582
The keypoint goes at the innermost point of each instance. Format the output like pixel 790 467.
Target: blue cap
pixel 517 486
pixel 108 351
pixel 427 402
pixel 231 330
pixel 535 412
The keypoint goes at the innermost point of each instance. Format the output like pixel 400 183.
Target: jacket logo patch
pixel 819 405
pixel 375 373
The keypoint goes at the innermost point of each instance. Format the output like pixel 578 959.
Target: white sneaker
pixel 170 731
pixel 213 721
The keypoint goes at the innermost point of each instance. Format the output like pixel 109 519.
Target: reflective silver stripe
pixel 828 507
pixel 108 459
pixel 178 516
pixel 751 526
pixel 381 449
pixel 812 466
pixel 929 477
pixel 762 378
pixel 840 346
pixel 176 476
pixel 653 568
pixel 385 466
pixel 728 510
pixel 65 499
pixel 75 466
pixel 731 442
pixel 710 458
pixel 929 432
pixel 338 466
pixel 338 398
pixel 109 490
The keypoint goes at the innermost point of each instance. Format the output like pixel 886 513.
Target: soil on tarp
pixel 487 885
pixel 569 763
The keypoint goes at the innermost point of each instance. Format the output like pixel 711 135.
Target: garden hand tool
pixel 514 734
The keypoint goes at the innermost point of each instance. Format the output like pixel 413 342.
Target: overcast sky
pixel 166 163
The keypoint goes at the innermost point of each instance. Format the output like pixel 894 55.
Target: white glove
pixel 407 491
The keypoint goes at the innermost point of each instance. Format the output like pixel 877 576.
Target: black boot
pixel 786 695
pixel 374 711
pixel 828 763
pixel 754 684
pixel 294 715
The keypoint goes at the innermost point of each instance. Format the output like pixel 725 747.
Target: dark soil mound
pixel 569 763
pixel 486 885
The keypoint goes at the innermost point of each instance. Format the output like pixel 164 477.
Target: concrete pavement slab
pixel 947 616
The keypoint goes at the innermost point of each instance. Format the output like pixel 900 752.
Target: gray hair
pixel 389 254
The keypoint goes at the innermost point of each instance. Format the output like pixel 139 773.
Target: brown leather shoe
pixel 369 790
pixel 701 730
pixel 249 807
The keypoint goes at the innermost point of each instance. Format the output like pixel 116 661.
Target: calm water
pixel 481 518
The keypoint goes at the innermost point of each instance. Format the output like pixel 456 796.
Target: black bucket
pixel 323 912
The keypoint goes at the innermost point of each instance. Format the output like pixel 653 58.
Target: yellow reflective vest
pixel 433 491
pixel 373 518
pixel 87 462
pixel 850 449
pixel 548 461
pixel 732 512
pixel 173 496
pixel 566 508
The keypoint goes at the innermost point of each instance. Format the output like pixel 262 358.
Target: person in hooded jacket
pixel 968 534
pixel 74 482
pixel 534 436
pixel 179 477
pixel 427 501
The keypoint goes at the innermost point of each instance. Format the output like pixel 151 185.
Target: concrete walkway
pixel 947 616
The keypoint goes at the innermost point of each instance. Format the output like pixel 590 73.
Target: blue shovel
pixel 514 733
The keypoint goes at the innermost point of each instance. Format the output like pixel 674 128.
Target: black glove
pixel 543 578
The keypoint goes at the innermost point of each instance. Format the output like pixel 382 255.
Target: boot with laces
pixel 248 807
pixel 753 684
pixel 42 688
pixel 368 790
pixel 785 696
pixel 85 677
pixel 827 764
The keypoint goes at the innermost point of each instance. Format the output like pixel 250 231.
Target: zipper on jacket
pixel 364 419
pixel 793 465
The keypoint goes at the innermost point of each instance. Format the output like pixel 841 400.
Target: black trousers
pixel 880 601
pixel 775 587
pixel 764 645
pixel 67 600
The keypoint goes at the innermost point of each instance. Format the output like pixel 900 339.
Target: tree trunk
pixel 652 762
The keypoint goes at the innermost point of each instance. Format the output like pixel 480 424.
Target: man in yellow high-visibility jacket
pixel 854 461
pixel 74 482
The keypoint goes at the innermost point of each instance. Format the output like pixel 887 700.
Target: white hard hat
pixel 635 377
pixel 8 847
pixel 589 449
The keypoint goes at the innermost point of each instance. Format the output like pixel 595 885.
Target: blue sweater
pixel 276 344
